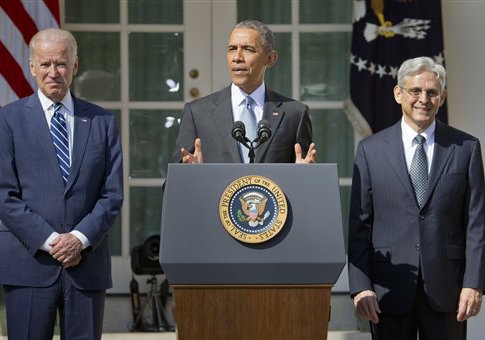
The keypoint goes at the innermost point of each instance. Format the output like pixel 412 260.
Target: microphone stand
pixel 239 133
pixel 264 133
pixel 252 146
pixel 251 152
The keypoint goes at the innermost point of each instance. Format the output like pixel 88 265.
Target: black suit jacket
pixel 211 119
pixel 391 238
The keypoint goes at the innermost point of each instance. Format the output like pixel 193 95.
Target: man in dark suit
pixel 208 121
pixel 417 218
pixel 60 191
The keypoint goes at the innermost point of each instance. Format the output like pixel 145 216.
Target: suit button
pixel 421 217
pixel 417 247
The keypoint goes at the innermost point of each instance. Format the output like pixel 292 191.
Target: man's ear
pixel 32 68
pixel 272 57
pixel 443 97
pixel 397 94
pixel 75 67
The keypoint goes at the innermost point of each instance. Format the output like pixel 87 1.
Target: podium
pixel 225 288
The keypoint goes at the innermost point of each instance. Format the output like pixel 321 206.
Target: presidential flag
pixel 19 21
pixel 385 33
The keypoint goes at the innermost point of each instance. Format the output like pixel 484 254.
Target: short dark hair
pixel 266 35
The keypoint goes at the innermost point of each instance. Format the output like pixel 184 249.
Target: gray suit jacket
pixel 391 238
pixel 34 201
pixel 211 119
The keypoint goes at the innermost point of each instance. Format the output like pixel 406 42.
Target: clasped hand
pixel 66 248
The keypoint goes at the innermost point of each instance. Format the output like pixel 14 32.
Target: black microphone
pixel 264 131
pixel 238 132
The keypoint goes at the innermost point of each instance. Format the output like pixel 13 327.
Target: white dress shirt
pixel 237 100
pixel 67 110
pixel 410 144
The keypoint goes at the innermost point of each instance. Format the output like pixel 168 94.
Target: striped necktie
pixel 419 170
pixel 60 140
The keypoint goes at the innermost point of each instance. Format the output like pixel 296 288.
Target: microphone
pixel 238 132
pixel 264 131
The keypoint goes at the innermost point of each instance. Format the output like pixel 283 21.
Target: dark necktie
pixel 60 140
pixel 419 170
pixel 249 119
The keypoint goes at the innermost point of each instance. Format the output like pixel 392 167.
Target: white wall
pixel 464 33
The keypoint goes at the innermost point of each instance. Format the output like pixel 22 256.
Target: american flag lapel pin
pixel 85 120
pixel 275 114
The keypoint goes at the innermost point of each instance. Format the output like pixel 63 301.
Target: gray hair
pixel 266 36
pixel 418 65
pixel 54 34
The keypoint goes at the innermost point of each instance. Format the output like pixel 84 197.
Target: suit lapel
pixel 273 113
pixel 395 154
pixel 38 126
pixel 441 154
pixel 82 126
pixel 223 119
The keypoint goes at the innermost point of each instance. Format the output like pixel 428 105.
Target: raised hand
pixel 195 157
pixel 311 156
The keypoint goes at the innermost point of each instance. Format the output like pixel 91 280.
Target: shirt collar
pixel 238 95
pixel 47 103
pixel 408 133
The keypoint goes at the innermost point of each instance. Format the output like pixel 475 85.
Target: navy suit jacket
pixel 34 202
pixel 211 119
pixel 391 238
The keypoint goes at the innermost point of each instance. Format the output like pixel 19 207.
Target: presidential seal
pixel 253 209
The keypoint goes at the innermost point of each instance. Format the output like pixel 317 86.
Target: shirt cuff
pixel 46 245
pixel 84 240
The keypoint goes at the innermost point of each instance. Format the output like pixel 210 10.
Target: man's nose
pixel 238 56
pixel 423 96
pixel 53 70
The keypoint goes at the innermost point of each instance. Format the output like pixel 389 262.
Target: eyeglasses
pixel 416 92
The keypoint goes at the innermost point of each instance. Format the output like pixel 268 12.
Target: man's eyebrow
pixel 243 46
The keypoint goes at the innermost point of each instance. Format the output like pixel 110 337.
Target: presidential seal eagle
pixel 253 205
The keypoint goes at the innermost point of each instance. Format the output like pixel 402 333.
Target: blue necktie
pixel 419 170
pixel 60 140
pixel 249 119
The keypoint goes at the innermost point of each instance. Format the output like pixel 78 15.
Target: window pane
pixel 152 141
pixel 91 12
pixel 98 76
pixel 114 238
pixel 115 232
pixel 155 11
pixel 324 65
pixel 156 66
pixel 145 214
pixel 334 139
pixel 267 11
pixel 325 11
pixel 278 78
pixel 117 114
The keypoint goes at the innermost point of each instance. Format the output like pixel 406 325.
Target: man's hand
pixel 74 262
pixel 469 304
pixel 66 248
pixel 195 157
pixel 311 155
pixel 366 305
